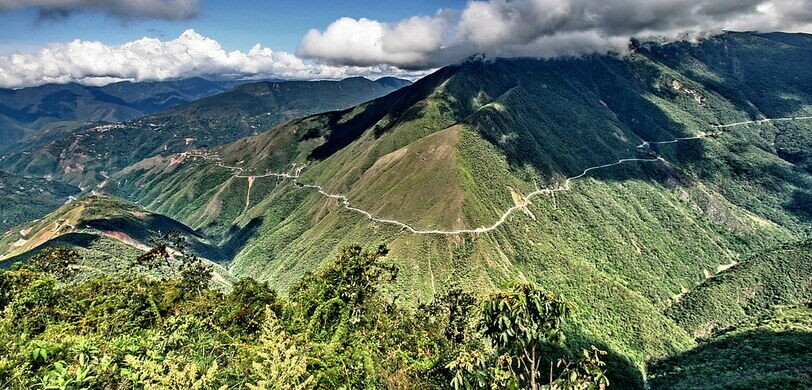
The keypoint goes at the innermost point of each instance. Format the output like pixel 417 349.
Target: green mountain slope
pixel 98 219
pixel 780 276
pixel 771 352
pixel 86 155
pixel 23 199
pixel 441 170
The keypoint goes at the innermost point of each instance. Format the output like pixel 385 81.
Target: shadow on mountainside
pixel 757 359
pixel 238 237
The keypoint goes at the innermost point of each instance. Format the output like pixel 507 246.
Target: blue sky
pixel 237 25
pixel 98 42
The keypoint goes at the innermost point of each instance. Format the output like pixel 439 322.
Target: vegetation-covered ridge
pixel 27 112
pixel 457 148
pixel 295 174
pixel 89 152
pixel 91 225
pixel 768 352
pixel 746 290
pixel 335 330
pixel 24 199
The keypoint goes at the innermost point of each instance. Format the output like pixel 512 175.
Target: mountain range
pixel 24 111
pixel 660 191
pixel 84 154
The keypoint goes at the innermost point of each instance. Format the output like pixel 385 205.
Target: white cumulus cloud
pixel 543 28
pixel 126 9
pixel 406 43
pixel 191 54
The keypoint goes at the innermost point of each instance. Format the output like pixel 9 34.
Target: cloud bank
pixel 542 28
pixel 191 54
pixel 407 48
pixel 125 9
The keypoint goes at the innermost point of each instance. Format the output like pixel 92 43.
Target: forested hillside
pixel 23 199
pixel 671 179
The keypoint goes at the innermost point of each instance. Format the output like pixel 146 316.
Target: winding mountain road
pixel 345 202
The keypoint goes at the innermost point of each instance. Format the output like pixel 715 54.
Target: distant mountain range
pixel 84 153
pixel 25 110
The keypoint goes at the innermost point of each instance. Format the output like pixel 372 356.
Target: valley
pixel 659 199
pixel 83 154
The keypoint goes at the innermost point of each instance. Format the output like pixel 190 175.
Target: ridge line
pixel 525 200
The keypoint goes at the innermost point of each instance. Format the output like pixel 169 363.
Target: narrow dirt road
pixel 345 202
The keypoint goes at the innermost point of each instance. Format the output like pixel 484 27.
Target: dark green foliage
pixel 247 304
pixel 524 326
pixel 456 308
pixel 771 352
pixel 779 276
pixel 194 274
pixel 336 330
pixel 523 317
pixel 353 278
pixel 57 261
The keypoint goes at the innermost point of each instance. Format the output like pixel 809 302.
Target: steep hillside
pixel 94 222
pixel 771 352
pixel 616 182
pixel 780 276
pixel 26 110
pixel 23 199
pixel 88 154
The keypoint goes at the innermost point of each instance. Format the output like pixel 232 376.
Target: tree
pixel 159 255
pixel 453 309
pixel 57 261
pixel 345 286
pixel 519 324
pixel 281 365
pixel 584 374
pixel 340 310
pixel 195 275
pixel 246 305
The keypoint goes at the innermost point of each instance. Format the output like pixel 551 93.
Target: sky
pixel 276 24
pixel 101 41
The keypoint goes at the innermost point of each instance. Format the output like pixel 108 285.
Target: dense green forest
pixel 335 329
pixel 24 199
pixel 770 352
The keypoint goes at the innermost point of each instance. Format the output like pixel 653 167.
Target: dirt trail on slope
pixel 519 204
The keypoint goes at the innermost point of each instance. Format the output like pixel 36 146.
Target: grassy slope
pixel 101 216
pixel 633 237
